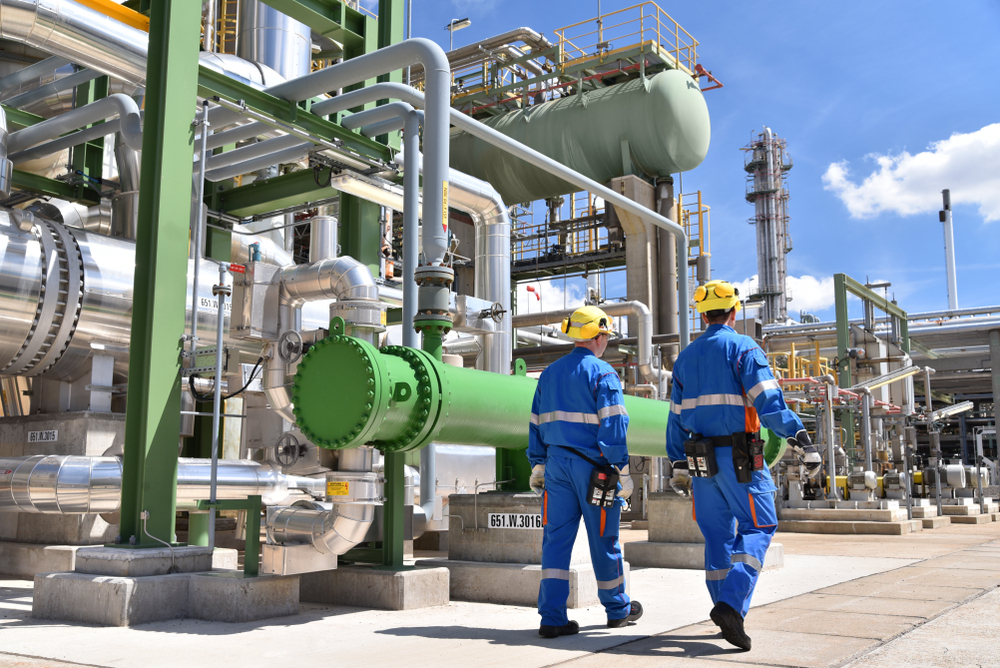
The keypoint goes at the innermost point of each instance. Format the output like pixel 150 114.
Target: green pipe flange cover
pixel 425 412
pixel 340 392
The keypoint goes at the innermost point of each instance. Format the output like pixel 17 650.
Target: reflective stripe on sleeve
pixel 747 559
pixel 608 411
pixel 611 584
pixel 568 416
pixel 555 574
pixel 755 391
pixel 717 575
pixel 675 408
pixel 534 419
pixel 713 400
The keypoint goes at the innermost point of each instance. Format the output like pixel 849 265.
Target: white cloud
pixel 967 164
pixel 808 293
pixel 553 296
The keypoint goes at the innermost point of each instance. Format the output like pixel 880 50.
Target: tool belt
pixel 748 454
pixel 603 481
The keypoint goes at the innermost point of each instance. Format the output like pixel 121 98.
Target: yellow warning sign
pixel 334 488
pixel 444 206
pixel 383 318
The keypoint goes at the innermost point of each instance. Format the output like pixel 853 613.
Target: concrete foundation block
pixel 373 587
pixel 922 512
pixel 640 525
pixel 843 514
pixel 136 563
pixel 971 519
pixel 25 560
pixel 934 522
pixel 962 510
pixel 231 597
pixel 515 584
pixel 648 554
pixel 471 539
pixel 110 601
pixel 670 519
pixel 845 527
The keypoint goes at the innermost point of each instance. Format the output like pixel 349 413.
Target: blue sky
pixel 882 104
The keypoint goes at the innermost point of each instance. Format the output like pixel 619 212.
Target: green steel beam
pixel 390 31
pixel 211 83
pixel 152 430
pixel 20 119
pixel 360 232
pixel 52 188
pixel 330 18
pixel 272 194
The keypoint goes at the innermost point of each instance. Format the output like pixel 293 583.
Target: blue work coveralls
pixel 722 384
pixel 578 403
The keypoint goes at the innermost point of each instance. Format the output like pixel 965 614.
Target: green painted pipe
pixel 657 126
pixel 409 399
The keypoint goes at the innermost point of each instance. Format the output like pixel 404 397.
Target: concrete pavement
pixel 876 600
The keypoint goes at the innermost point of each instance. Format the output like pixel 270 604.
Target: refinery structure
pixel 259 267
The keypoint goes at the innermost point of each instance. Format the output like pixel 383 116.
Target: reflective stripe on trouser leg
pixel 716 522
pixel 559 533
pixel 605 551
pixel 752 505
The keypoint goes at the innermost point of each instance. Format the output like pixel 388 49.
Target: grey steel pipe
pixel 6 166
pixel 330 529
pixel 935 438
pixel 125 204
pixel 197 230
pixel 253 151
pixel 322 238
pixel 220 291
pixel 118 105
pixel 830 424
pixel 866 427
pixel 294 153
pixel 61 484
pixel 411 220
pixel 54 87
pixel 436 126
pixel 31 72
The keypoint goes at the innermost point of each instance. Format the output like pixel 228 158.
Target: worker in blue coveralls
pixel 723 390
pixel 578 424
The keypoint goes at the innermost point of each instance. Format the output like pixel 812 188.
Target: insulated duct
pixel 65 484
pixel 6 166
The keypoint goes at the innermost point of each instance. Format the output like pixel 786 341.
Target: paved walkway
pixel 926 599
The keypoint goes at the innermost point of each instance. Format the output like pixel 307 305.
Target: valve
pixel 287 449
pixel 290 346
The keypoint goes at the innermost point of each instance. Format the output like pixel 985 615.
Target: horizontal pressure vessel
pixel 660 124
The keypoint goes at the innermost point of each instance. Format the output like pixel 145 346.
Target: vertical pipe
pixel 322 238
pixel 220 294
pixel 907 472
pixel 949 251
pixel 866 427
pixel 411 198
pixel 831 454
pixel 995 373
pixel 208 36
pixel 198 223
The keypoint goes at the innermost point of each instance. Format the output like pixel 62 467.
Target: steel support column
pixel 152 424
pixel 995 372
pixel 88 159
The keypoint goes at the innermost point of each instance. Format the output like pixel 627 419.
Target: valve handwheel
pixel 290 346
pixel 286 449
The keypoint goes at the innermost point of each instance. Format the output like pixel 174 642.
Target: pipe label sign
pixel 337 488
pixel 515 520
pixel 444 206
pixel 46 436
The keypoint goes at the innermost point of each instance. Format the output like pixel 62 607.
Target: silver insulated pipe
pixel 63 484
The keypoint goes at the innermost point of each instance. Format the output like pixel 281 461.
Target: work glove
pixel 626 482
pixel 680 481
pixel 802 446
pixel 537 480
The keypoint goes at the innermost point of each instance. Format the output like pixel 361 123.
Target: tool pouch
pixel 603 486
pixel 748 456
pixel 700 453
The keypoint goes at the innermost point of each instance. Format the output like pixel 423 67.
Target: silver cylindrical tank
pixel 661 124
pixel 269 37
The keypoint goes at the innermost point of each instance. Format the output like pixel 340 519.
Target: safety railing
pixel 610 35
pixel 584 232
pixel 697 221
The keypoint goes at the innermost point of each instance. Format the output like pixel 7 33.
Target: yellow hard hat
pixel 716 296
pixel 587 322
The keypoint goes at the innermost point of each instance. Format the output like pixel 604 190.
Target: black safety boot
pixel 569 629
pixel 634 613
pixel 731 624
